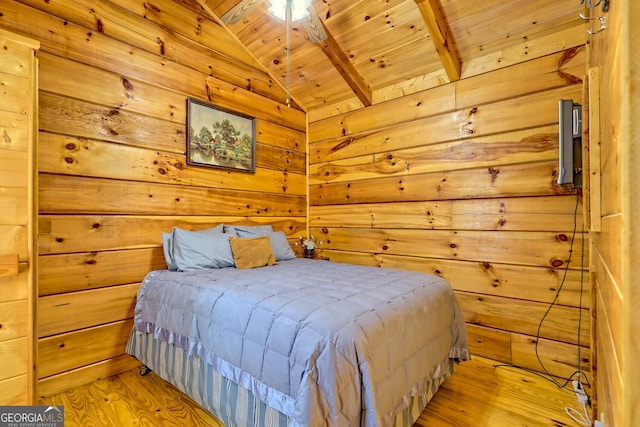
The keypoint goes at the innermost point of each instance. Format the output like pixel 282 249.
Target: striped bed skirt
pixel 234 405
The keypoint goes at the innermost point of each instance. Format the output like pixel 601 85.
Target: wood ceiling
pixel 381 49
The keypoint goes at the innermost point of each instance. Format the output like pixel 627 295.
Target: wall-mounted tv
pixel 570 143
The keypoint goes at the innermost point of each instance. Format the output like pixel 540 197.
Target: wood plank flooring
pixel 477 395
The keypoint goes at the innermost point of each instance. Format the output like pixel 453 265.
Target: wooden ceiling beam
pixel 441 37
pixel 230 10
pixel 236 13
pixel 347 70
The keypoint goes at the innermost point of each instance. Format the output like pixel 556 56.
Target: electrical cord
pixel 575 415
pixel 580 418
pixel 584 399
pixel 555 299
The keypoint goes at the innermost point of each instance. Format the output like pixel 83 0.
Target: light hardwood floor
pixel 477 395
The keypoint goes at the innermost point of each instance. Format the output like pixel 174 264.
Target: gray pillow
pixel 234 230
pixel 279 243
pixel 167 244
pixel 196 250
pixel 167 247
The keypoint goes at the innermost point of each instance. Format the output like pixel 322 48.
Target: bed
pixel 301 342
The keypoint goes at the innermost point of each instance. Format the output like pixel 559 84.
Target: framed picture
pixel 220 138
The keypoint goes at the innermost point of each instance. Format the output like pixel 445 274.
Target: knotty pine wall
pixel 460 181
pixel 114 78
pixel 614 67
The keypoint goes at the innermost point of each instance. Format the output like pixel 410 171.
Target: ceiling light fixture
pixel 299 9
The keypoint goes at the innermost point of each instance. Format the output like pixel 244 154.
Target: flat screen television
pixel 570 143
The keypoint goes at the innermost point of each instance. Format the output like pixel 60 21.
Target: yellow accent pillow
pixel 252 252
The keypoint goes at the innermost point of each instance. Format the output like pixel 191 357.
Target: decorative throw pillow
pixel 195 250
pixel 252 252
pixel 279 243
pixel 167 243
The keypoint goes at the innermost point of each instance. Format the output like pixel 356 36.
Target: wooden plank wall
pixel 460 181
pixel 114 78
pixel 18 68
pixel 614 260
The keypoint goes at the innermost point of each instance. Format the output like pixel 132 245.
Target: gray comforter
pixel 324 343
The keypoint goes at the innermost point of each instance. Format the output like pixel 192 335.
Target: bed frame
pixel 234 405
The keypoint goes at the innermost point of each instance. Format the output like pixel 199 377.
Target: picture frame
pixel 220 138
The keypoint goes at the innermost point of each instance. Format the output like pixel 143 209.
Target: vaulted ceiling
pixel 376 49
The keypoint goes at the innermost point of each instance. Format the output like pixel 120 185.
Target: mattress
pixel 321 343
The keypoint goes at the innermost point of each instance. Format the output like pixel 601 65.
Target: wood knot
pixel 557 263
pixel 341 145
pixel 494 174
pixel 151 8
pixel 91 262
pixel 96 225
pixel 161 45
pixel 563 237
pixel 127 85
pixel 385 247
pixel 453 245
